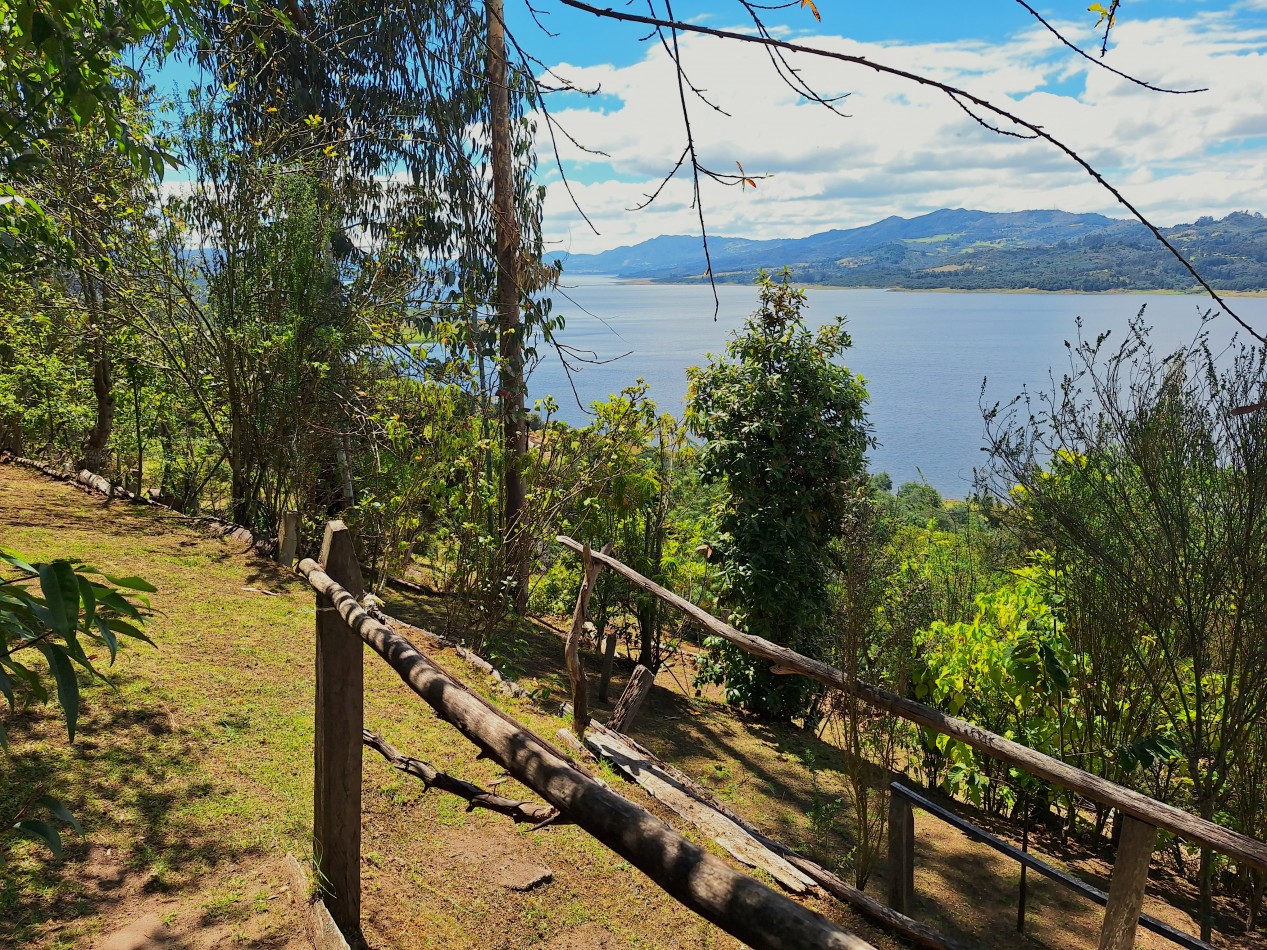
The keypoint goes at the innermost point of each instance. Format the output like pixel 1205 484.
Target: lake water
pixel 924 355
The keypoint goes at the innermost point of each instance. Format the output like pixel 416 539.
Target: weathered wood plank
pixel 1189 827
pixel 661 786
pixel 917 933
pixel 630 702
pixel 322 931
pixel 337 744
pixel 738 904
pixel 1126 886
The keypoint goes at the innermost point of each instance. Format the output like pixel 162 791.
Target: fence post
pixel 630 702
pixel 340 716
pixel 288 538
pixel 1127 883
pixel 901 854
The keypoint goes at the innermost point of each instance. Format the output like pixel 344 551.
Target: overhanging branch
pixel 960 96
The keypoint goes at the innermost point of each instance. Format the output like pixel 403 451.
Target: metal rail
pixel 977 833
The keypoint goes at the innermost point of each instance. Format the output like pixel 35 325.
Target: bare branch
pixel 953 91
pixel 520 811
pixel 1103 65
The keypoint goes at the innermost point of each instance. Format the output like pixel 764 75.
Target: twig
pixel 539 816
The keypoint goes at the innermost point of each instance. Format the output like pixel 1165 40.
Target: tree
pixel 398 116
pixel 1149 478
pixel 63 69
pixel 786 431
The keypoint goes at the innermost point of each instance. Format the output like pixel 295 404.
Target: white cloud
pixel 906 149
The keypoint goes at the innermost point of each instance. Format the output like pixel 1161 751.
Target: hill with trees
pixel 969 250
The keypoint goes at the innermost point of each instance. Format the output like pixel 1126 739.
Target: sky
pixel 900 149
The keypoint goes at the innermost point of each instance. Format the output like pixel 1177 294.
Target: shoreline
pixel 1197 292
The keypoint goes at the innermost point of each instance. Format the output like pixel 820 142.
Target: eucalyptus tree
pixel 386 111
pixel 64 68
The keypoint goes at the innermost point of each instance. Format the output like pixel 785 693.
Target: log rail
pixel 1145 815
pixel 735 902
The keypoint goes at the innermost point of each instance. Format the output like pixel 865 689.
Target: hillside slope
pixel 196 779
pixel 969 250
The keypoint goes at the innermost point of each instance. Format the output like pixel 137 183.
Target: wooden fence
pixel 1141 816
pixel 737 903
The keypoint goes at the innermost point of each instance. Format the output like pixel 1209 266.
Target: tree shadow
pixel 134 782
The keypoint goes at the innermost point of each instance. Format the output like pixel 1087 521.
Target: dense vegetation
pixel 249 346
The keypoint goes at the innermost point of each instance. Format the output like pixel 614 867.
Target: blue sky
pixel 904 150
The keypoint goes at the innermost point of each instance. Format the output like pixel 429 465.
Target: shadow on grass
pixel 135 785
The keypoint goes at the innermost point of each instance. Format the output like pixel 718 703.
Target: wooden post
pixel 1126 886
pixel 901 854
pixel 609 658
pixel 572 651
pixel 630 701
pixel 340 718
pixel 288 538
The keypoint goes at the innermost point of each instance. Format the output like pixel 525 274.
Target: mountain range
pixel 967 250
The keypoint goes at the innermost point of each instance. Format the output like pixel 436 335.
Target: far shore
pixel 1195 292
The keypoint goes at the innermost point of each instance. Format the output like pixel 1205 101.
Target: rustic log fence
pixel 1140 815
pixel 735 902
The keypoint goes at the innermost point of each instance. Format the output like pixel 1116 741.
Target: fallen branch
pixel 476 797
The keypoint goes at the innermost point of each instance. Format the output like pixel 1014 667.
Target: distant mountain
pixel 968 250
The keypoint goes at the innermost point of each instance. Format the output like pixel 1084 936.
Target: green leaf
pixel 60 811
pixel 107 635
pixel 10 558
pixel 43 831
pixel 89 599
pixel 132 583
pixel 127 629
pixel 67 684
pixel 61 596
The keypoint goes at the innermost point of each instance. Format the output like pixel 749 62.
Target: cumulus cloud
pixel 907 150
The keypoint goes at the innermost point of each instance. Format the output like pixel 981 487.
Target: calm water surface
pixel 924 355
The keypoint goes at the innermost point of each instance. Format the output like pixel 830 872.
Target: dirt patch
pixel 585 937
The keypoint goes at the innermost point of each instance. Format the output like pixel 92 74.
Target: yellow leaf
pixel 1098 8
pixel 813 8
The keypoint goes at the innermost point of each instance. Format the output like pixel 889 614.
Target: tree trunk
pixel 510 328
pixel 98 437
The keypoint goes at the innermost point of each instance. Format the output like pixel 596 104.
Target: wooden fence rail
pixel 738 904
pixel 1143 815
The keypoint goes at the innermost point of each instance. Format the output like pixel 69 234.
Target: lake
pixel 923 355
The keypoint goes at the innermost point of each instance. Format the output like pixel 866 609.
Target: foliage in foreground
pixel 60 612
